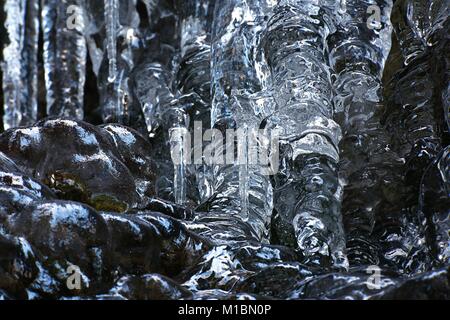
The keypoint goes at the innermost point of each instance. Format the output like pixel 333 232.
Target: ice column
pixel 122 39
pixel 358 52
pixel 20 62
pixel 307 194
pixel 236 78
pixel 64 56
pixel 194 83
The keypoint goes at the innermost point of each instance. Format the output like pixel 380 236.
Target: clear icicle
pixel 111 97
pixel 64 57
pixel 112 21
pixel 193 82
pixel 307 194
pixel 358 52
pixel 122 39
pixel 20 62
pixel 242 190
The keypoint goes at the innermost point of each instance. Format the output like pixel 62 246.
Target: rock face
pixel 18 266
pixel 136 153
pixel 108 168
pixel 67 234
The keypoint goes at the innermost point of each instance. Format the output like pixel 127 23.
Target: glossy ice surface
pixel 94 92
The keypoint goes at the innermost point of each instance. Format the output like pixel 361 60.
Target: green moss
pixel 104 202
pixel 69 187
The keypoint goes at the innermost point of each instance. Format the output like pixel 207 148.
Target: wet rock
pixel 434 285
pixel 150 287
pixel 359 283
pixel 18 192
pixel 170 209
pixel 18 267
pixel 275 280
pixel 76 160
pixel 255 257
pixel 135 244
pixel 224 295
pixel 137 154
pixel 71 239
pixel 180 248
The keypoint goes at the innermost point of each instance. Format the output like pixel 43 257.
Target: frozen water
pixel 20 62
pixel 63 25
pixel 307 191
pixel 357 90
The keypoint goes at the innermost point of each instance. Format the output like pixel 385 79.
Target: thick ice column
pixel 20 62
pixel 358 52
pixel 307 194
pixel 194 74
pixel 415 117
pixel 419 30
pixel 64 57
pixel 194 85
pixel 236 78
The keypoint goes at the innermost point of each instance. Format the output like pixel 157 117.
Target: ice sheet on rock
pixel 435 206
pixel 19 65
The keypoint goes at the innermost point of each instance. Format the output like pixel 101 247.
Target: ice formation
pixel 108 169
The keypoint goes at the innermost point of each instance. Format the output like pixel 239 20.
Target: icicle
pixel 193 81
pixel 20 62
pixel 358 52
pixel 240 190
pixel 112 21
pixel 307 195
pixel 64 57
pixel 121 22
pixel 112 104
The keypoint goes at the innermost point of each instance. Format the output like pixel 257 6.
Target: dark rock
pixel 180 248
pixel 69 238
pixel 75 159
pixel 434 285
pixel 18 267
pixel 170 209
pixel 136 153
pixel 150 287
pixel 135 244
pixel 18 191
